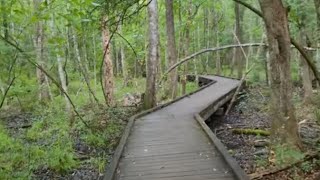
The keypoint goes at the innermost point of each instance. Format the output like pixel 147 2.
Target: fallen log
pixel 252 132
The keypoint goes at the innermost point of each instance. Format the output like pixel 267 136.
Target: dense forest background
pixel 73 71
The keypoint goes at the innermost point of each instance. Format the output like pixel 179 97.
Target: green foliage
pixel 307 167
pixel 285 155
pixel 61 158
pixel 261 162
pixel 100 163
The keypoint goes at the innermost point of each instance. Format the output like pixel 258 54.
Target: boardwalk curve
pixel 172 141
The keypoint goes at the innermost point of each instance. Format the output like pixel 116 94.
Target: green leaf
pixel 95 4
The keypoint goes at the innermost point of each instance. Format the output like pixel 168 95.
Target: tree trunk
pixel 305 70
pixel 238 31
pixel 44 94
pixel 108 79
pixel 153 56
pixel 94 63
pixel 216 29
pixel 123 62
pixel 185 48
pixel 317 6
pixel 115 58
pixel 83 70
pixel 4 19
pixel 284 124
pixel 61 71
pixel 171 50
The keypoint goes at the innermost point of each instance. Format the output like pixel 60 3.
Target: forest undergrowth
pixel 240 131
pixel 42 141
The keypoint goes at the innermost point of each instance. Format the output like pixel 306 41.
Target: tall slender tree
pixel 108 79
pixel 238 59
pixel 44 94
pixel 171 50
pixel 153 56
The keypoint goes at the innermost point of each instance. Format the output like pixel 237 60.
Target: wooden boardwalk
pixel 169 143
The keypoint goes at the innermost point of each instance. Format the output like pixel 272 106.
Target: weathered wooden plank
pixel 166 142
pixel 183 171
pixel 189 177
pixel 240 174
pixel 154 152
pixel 134 165
pixel 169 156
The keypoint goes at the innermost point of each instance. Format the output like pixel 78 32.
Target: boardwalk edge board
pixel 112 167
pixel 237 170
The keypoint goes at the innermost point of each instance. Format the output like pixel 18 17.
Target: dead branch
pixel 306 57
pixel 209 50
pixel 260 175
pixel 28 58
pixel 238 90
pixel 242 79
pixel 6 91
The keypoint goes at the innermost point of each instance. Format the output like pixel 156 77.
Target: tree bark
pixel 108 77
pixel 44 94
pixel 284 124
pixel 153 56
pixel 83 70
pixel 317 7
pixel 216 29
pixel 185 48
pixel 238 31
pixel 171 50
pixel 123 61
pixel 61 71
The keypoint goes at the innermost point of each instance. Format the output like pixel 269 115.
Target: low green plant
pixel 60 158
pixel 285 154
pixel 100 162
pixel 261 162
pixel 307 167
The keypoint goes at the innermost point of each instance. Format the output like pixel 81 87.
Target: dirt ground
pixel 252 151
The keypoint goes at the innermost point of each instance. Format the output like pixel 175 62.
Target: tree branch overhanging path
pixel 293 42
pixel 210 50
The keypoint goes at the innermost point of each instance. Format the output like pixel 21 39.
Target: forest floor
pixel 44 142
pixel 252 150
pixel 38 152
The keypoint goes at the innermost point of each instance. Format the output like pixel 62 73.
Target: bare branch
pixel 6 92
pixel 28 58
pixel 209 50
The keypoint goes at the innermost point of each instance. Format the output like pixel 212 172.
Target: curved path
pixel 172 142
